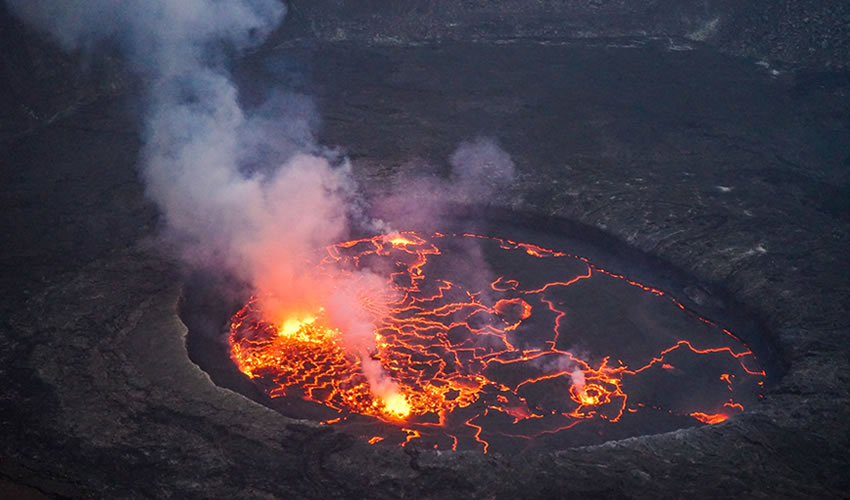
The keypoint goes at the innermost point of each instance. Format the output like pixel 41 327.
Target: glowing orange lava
pixel 471 366
pixel 714 418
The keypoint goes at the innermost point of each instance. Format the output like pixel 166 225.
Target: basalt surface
pixel 808 33
pixel 711 163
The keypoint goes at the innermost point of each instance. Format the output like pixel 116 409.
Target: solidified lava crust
pixel 492 344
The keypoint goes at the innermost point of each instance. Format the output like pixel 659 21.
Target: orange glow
pixel 456 360
pixel 411 435
pixel 396 405
pixel 713 418
pixel 293 326
pixel 591 395
pixel 403 239
pixel 512 311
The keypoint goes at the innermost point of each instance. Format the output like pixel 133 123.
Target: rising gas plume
pixel 247 192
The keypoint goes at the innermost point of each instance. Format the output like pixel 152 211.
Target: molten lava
pixel 469 365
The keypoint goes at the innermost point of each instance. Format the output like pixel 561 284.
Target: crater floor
pixel 718 166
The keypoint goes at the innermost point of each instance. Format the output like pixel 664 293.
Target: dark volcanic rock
pixel 40 84
pixel 709 162
pixel 410 20
pixel 811 33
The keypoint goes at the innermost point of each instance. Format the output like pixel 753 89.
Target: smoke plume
pixel 242 192
pixel 248 192
pixel 238 191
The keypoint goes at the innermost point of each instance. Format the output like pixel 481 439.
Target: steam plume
pixel 239 191
pixel 246 192
pixel 200 146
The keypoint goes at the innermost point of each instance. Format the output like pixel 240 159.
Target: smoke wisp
pixel 479 169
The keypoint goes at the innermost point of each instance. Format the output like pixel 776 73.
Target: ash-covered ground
pixel 733 170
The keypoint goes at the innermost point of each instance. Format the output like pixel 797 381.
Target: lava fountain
pixel 541 348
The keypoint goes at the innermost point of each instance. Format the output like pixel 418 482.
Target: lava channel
pixel 494 344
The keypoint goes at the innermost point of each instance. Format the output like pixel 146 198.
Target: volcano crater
pixel 509 332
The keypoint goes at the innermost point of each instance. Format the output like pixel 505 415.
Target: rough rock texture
pixel 810 33
pixel 813 33
pixel 410 20
pixel 39 84
pixel 710 162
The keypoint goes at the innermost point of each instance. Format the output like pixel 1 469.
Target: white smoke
pixel 563 365
pixel 248 192
pixel 240 191
pixel 159 37
pixel 479 169
pixel 577 377
pixel 201 148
